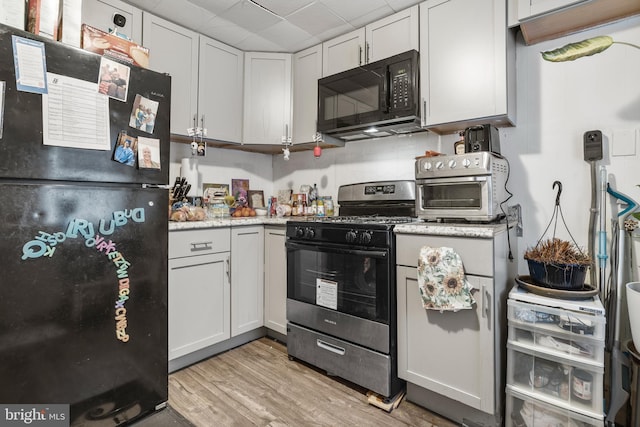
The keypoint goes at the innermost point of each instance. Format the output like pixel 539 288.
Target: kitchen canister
pixel 582 384
pixel 633 309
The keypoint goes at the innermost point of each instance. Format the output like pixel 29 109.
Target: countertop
pixel 419 227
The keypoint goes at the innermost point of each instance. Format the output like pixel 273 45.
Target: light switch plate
pixel 623 142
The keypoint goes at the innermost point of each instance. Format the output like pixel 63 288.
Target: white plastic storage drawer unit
pixel 564 382
pixel 563 333
pixel 523 411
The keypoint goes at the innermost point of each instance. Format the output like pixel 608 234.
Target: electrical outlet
pixel 515 215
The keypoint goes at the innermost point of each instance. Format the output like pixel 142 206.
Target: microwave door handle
pixel 385 95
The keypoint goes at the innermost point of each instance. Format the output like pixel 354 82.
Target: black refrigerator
pixel 83 239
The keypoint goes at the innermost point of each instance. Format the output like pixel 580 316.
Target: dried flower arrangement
pixel 557 251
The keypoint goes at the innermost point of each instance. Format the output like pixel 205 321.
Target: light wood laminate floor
pixel 257 385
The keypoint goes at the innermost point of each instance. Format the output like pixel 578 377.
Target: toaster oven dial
pixel 439 165
pixel 466 163
pixel 427 166
pixel 452 164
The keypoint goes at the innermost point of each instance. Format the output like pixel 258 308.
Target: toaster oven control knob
pixel 466 163
pixel 439 165
pixel 452 164
pixel 351 236
pixel 365 237
pixel 427 166
pixel 309 233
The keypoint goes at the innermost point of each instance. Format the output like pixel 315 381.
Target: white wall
pixel 557 103
pixel 221 166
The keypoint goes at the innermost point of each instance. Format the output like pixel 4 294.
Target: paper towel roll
pixel 189 170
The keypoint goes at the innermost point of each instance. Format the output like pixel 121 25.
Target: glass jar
pixel 328 206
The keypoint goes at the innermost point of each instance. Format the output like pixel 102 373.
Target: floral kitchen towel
pixel 443 285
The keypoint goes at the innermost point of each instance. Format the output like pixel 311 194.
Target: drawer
pixel 476 253
pixel 555 320
pixel 558 342
pixel 523 411
pixel 568 384
pixel 183 243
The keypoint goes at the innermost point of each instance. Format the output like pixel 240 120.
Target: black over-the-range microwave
pixel 374 100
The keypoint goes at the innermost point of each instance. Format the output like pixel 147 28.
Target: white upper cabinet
pixel 343 52
pixel 220 90
pixel 529 8
pixel 206 79
pixel 381 39
pixel 99 14
pixel 392 35
pixel 267 98
pixel 467 71
pixel 307 69
pixel 174 50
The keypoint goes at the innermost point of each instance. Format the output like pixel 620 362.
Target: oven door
pixel 351 281
pixel 459 197
pixel 341 291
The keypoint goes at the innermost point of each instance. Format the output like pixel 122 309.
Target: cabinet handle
pixel 195 121
pixel 485 303
pixel 228 262
pixel 330 347
pixel 423 113
pixel 359 55
pixel 201 246
pixel 366 53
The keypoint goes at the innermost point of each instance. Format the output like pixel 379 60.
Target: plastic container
pixel 633 306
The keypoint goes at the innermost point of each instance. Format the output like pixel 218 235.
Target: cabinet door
pixel 267 97
pixel 99 14
pixel 247 279
pixel 448 353
pixel 221 71
pixel 307 69
pixel 529 8
pixel 343 52
pixel 392 35
pixel 174 50
pixel 275 279
pixel 199 302
pixel 463 63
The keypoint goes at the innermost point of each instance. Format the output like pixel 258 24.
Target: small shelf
pixel 256 148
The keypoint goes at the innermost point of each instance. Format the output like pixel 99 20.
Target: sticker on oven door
pixel 327 293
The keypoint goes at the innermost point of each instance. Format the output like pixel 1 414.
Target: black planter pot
pixel 558 276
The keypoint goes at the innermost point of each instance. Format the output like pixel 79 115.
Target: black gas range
pixel 341 296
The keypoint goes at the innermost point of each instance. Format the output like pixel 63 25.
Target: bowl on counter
pixel 261 211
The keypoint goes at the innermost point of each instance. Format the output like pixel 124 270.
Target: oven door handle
pixel 338 250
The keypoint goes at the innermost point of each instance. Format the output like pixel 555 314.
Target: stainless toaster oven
pixel 467 187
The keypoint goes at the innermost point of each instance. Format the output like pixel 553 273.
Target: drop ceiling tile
pixel 315 19
pixel 183 12
pixel 259 44
pixel 216 7
pixel 225 31
pixel 145 4
pixel 283 7
pixel 250 16
pixel 353 9
pixel 372 16
pixel 399 5
pixel 284 33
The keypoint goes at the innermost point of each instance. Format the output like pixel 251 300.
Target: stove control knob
pixel 309 233
pixel 466 163
pixel 351 236
pixel 299 232
pixel 365 237
pixel 452 163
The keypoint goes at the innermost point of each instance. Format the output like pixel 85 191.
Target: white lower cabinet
pixel 247 278
pixel 199 290
pixel 453 362
pixel 275 279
